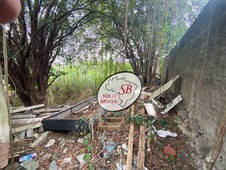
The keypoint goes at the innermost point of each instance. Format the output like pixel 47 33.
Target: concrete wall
pixel 200 59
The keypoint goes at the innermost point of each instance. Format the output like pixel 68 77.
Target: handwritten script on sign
pixel 119 91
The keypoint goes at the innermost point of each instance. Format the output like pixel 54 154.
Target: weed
pixel 172 158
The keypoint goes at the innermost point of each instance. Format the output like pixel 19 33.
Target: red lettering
pixel 129 89
pixel 126 89
pixel 109 96
pixel 123 90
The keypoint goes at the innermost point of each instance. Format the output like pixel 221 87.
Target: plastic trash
pixel 119 164
pixel 169 150
pixel 164 133
pixel 26 157
pixel 150 109
pixel 53 166
pixel 110 147
pixel 80 159
pixel 30 164
pixel 124 146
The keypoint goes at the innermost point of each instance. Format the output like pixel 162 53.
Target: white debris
pixel 65 150
pixel 35 135
pixel 81 160
pixel 164 133
pixel 157 103
pixel 67 160
pixel 124 146
pixel 50 143
pixel 150 109
pixel 80 140
pixel 53 166
pixel 173 103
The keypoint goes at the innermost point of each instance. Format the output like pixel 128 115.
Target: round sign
pixel 119 91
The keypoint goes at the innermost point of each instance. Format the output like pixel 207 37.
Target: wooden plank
pixel 39 140
pixel 29 121
pixel 26 121
pixel 26 127
pixel 23 116
pixel 141 151
pixel 173 103
pixel 161 90
pixel 130 142
pixel 27 108
pixel 47 110
pixel 73 109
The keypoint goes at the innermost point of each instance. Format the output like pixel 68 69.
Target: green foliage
pixel 86 157
pixel 160 146
pixel 86 141
pixel 151 136
pixel 137 119
pixel 81 80
pixel 150 121
pixel 172 158
pixel 154 27
pixel 91 166
pixel 164 123
pixel 89 148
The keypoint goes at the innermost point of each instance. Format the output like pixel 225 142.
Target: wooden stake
pixel 141 151
pixel 130 143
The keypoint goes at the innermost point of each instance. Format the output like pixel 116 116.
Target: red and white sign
pixel 119 91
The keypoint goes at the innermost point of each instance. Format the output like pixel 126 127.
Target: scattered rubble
pixel 50 143
pixel 116 144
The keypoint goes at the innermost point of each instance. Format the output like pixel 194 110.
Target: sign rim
pixel 112 76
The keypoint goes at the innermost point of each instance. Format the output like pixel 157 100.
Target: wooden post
pixel 141 151
pixel 130 143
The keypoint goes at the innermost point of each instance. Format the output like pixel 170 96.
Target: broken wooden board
pixel 23 116
pixel 173 103
pixel 27 108
pixel 161 90
pixel 20 146
pixel 26 127
pixel 47 110
pixel 112 124
pixel 130 143
pixel 39 140
pixel 57 123
pixel 27 121
pixel 72 109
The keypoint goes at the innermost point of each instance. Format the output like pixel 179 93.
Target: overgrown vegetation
pixel 82 80
pixel 73 30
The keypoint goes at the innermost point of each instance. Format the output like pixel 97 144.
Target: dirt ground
pixel 68 145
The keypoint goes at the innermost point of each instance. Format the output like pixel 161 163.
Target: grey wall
pixel 200 59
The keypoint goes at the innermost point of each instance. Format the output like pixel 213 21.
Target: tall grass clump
pixel 82 80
